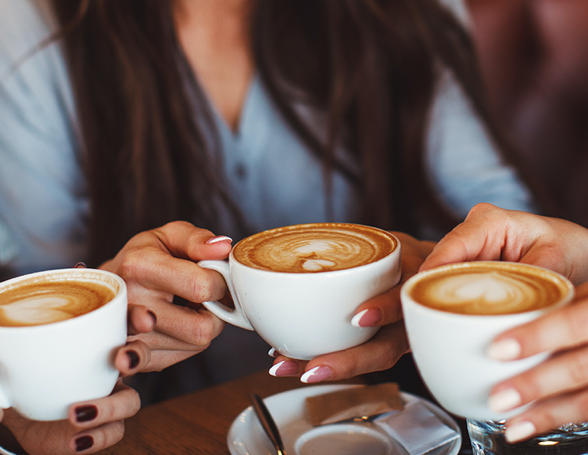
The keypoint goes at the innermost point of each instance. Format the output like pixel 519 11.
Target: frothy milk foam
pixel 312 248
pixel 488 288
pixel 37 302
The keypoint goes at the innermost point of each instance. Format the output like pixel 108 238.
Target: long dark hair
pixel 149 141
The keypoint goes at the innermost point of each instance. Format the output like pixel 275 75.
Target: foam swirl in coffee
pixel 37 302
pixel 312 248
pixel 489 288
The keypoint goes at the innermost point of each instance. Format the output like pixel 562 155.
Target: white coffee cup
pixel 449 349
pixel 46 368
pixel 304 315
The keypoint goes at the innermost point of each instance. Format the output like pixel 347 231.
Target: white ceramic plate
pixel 246 436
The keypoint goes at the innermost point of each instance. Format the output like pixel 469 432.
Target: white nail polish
pixel 304 378
pixel 357 318
pixel 220 238
pixel 275 368
pixel 504 400
pixel 519 431
pixel 508 349
pixel 272 352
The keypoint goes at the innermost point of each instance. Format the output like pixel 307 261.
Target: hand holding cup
pixel 300 286
pixel 59 331
pixel 454 312
pixel 384 311
pixel 555 389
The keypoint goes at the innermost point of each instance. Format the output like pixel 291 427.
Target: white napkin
pixel 416 428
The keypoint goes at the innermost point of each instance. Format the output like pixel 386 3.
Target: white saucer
pixel 246 436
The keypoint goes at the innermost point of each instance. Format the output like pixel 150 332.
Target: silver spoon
pixel 267 422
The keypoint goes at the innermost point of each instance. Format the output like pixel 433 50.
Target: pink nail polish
pixel 284 368
pixel 316 374
pixel 367 318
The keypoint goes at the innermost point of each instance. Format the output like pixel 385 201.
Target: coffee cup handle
pixel 232 316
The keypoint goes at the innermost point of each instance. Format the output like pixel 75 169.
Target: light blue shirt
pixel 274 179
pixel 272 176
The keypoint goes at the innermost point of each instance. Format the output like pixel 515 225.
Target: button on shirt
pixel 274 179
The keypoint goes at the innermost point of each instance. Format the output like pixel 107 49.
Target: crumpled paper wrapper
pixel 354 402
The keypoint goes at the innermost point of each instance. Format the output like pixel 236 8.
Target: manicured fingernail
pixel 84 443
pixel 219 238
pixel 284 368
pixel 508 349
pixel 133 359
pixel 272 352
pixel 80 265
pixel 367 318
pixel 519 431
pixel 504 400
pixel 317 374
pixel 86 413
pixel 152 314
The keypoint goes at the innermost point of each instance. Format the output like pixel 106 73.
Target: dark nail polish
pixel 84 443
pixel 152 314
pixel 86 413
pixel 133 359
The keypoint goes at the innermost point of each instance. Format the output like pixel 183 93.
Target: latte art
pixel 306 253
pixel 47 302
pixel 488 288
pixel 314 248
pixel 486 292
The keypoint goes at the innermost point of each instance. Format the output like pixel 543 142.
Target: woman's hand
pixel 90 427
pixel 158 265
pixel 384 349
pixel 559 384
pixel 491 233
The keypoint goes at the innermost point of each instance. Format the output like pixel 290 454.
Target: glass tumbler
pixel 487 438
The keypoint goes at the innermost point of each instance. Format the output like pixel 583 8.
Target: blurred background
pixel 534 59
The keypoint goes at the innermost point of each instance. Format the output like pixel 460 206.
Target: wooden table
pixel 197 423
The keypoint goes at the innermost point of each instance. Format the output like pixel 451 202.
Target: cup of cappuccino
pixel 453 313
pixel 299 286
pixel 58 333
